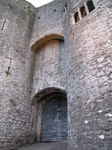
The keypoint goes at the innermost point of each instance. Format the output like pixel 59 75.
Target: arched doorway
pixel 54 120
pixel 51 115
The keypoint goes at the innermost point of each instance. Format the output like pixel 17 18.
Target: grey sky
pixel 38 3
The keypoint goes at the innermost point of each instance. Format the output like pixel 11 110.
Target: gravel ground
pixel 46 146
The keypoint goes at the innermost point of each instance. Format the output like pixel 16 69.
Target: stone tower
pixel 56 73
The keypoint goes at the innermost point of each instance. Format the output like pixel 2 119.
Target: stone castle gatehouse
pixel 56 73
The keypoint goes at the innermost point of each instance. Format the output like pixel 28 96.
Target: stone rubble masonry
pixel 43 47
pixel 16 22
pixel 89 88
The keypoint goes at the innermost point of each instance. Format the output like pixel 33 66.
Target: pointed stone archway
pixel 51 115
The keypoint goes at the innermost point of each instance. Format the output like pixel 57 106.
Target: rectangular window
pixel 90 6
pixel 83 11
pixel 76 16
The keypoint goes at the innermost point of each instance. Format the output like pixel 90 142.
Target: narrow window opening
pixel 83 12
pixel 3 24
pixel 90 5
pixel 65 7
pixel 76 16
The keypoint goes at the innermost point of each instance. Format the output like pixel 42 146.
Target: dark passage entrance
pixel 54 121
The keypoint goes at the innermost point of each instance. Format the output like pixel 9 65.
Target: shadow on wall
pixel 44 39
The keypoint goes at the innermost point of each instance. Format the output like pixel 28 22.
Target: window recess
pixel 76 16
pixel 83 11
pixel 90 5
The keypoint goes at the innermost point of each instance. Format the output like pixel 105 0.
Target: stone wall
pixel 48 20
pixel 49 67
pixel 89 89
pixel 67 56
pixel 16 22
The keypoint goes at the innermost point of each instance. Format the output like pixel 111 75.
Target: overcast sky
pixel 38 3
